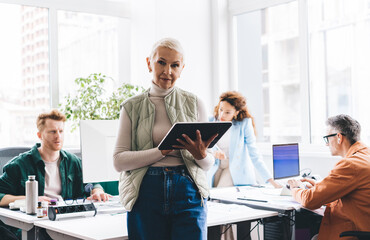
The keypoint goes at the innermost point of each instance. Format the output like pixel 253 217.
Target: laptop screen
pixel 285 159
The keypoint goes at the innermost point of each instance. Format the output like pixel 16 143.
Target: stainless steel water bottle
pixel 31 195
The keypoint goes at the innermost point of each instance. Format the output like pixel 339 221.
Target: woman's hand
pixel 274 183
pixel 165 152
pixel 198 147
pixel 219 154
pixel 224 163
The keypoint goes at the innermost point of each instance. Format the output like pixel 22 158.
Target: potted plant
pixel 91 101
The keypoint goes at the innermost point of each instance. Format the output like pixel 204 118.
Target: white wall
pixel 203 28
pixel 188 21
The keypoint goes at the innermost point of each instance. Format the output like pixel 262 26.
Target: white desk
pixel 18 219
pixel 102 226
pixel 108 226
pixel 221 213
pixel 269 199
pixel 274 201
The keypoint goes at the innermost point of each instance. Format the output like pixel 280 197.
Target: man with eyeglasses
pixel 58 172
pixel 346 190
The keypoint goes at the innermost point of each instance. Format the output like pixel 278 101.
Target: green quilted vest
pixel 181 106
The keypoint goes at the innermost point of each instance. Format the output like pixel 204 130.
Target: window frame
pixel 237 7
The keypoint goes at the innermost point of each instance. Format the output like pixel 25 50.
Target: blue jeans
pixel 169 206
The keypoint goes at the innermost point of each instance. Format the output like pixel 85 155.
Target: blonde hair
pixel 170 43
pixel 54 114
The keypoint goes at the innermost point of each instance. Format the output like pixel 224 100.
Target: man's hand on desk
pixel 99 195
pixel 310 181
pixel 293 183
pixel 44 199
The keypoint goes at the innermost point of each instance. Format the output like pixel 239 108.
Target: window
pixel 277 44
pixel 45 49
pixel 301 65
pixel 88 43
pixel 339 36
pixel 24 85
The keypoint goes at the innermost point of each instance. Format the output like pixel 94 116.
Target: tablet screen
pixel 207 129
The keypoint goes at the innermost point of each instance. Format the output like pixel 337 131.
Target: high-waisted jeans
pixel 169 207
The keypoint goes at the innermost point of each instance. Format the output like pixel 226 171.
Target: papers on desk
pixel 111 206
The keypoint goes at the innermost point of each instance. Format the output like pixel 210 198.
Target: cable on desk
pixel 250 231
pixel 288 227
pixel 258 228
pixel 228 226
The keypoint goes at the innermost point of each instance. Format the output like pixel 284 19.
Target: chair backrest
pixel 75 151
pixel 9 153
pixel 359 234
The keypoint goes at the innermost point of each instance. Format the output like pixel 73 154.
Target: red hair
pixel 239 103
pixel 53 115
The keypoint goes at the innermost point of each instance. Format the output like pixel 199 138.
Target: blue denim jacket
pixel 243 155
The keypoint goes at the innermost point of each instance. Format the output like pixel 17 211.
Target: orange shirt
pixel 346 193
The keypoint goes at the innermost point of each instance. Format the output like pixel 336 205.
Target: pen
pixel 254 200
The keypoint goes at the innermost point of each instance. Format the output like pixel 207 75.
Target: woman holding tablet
pixel 236 152
pixel 165 191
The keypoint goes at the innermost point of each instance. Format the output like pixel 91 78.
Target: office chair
pixel 359 234
pixel 8 153
pixel 75 151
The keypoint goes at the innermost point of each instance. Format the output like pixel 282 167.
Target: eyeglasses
pixel 330 135
pixel 72 201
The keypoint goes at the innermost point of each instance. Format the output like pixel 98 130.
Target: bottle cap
pixel 39 204
pixel 53 201
pixel 31 177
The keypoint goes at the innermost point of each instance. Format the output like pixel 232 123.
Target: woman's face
pixel 226 111
pixel 166 66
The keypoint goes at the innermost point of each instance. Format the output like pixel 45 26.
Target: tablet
pixel 207 129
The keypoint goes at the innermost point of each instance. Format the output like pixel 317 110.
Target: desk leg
pixel 28 235
pixel 243 230
pixel 214 233
pixel 280 227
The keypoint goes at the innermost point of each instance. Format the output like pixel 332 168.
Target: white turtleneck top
pixel 125 159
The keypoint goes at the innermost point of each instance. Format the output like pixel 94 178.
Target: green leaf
pixel 89 101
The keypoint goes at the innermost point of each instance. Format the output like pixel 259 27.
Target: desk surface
pixel 113 226
pixel 18 215
pixel 21 220
pixel 102 226
pixel 267 198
